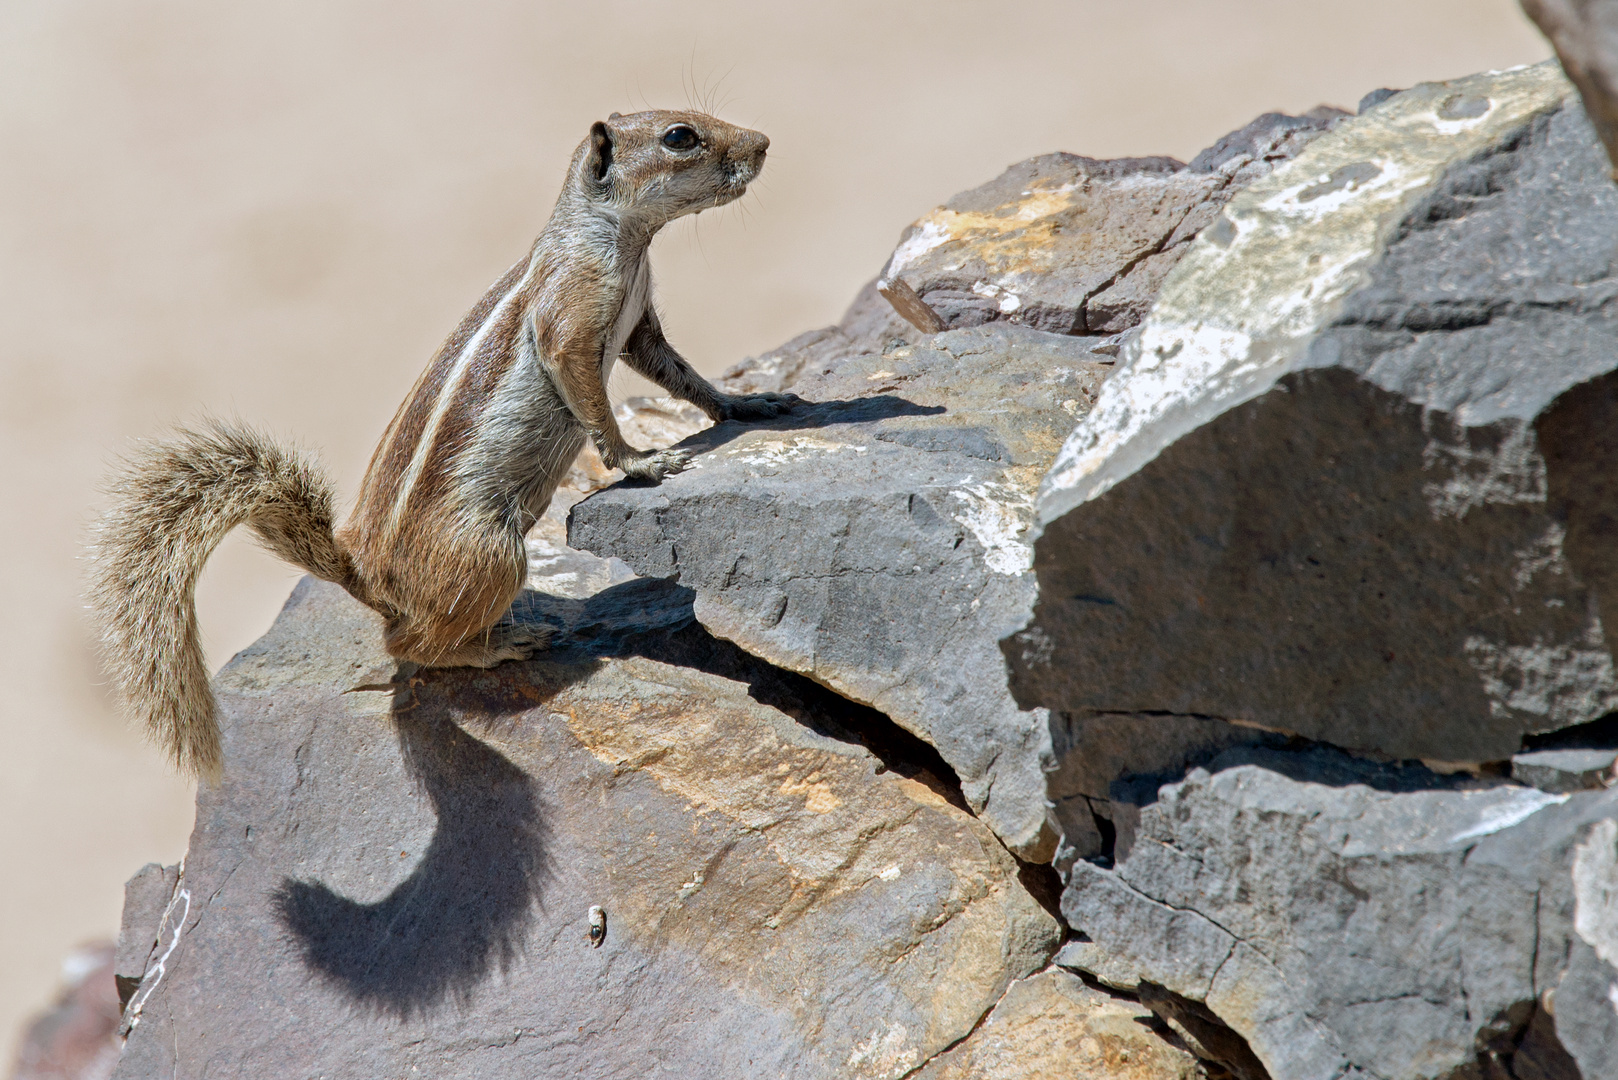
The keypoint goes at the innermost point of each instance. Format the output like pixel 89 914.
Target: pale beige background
pixel 277 210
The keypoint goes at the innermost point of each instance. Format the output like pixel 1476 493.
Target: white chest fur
pixel 637 294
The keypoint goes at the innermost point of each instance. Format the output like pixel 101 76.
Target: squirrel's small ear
pixel 615 116
pixel 599 158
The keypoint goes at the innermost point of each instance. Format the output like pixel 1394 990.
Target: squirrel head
pixel 652 167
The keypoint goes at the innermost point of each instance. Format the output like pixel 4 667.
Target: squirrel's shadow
pixel 815 414
pixel 806 415
pixel 463 912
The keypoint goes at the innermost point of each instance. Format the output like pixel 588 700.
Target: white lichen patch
pixel 774 453
pixel 1564 683
pixel 1542 556
pixel 884 1054
pixel 1169 366
pixel 998 515
pixel 1005 299
pixel 1518 807
pixel 1511 473
pixel 931 234
pixel 1240 308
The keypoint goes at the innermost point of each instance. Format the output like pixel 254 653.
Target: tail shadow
pixel 464 911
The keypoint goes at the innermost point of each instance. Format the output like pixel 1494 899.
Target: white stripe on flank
pixel 446 396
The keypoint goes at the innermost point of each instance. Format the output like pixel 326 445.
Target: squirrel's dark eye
pixel 680 137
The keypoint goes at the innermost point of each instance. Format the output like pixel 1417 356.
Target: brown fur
pixel 470 461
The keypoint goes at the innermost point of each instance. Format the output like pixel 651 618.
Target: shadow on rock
pixel 464 911
pixel 810 415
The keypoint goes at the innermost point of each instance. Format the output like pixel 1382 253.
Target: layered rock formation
pixel 407 868
pixel 874 541
pixel 1358 466
pixel 1235 537
pixel 1352 485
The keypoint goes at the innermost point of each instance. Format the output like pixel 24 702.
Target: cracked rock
pixel 1352 919
pixel 1051 1026
pixel 1354 480
pixel 146 896
pixel 875 541
pixel 1073 245
pixel 394 877
pixel 872 541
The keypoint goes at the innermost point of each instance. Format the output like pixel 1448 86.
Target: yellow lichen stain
pixel 818 798
pixel 919 792
pixel 1017 235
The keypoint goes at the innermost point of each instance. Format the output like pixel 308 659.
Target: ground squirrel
pixel 435 542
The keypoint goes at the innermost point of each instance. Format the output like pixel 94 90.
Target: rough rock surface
pixel 395 876
pixel 1051 1026
pixel 1355 478
pixel 146 896
pixel 1073 245
pixel 1346 916
pixel 1560 771
pixel 873 541
pixel 1351 486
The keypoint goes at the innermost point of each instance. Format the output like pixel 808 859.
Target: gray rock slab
pixel 1357 478
pixel 1093 751
pixel 1564 770
pixel 872 541
pixel 394 876
pixel 1348 918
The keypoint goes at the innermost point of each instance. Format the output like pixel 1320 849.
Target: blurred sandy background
pixel 277 211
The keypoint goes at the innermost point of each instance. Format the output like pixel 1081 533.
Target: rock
pixel 1347 918
pixel 146 899
pixel 1354 479
pixel 1564 770
pixel 1094 750
pixel 1203 1032
pixel 881 555
pixel 1073 245
pixel 1585 36
pixel 394 877
pixel 77 1038
pixel 556 569
pixel 872 540
pixel 1051 1026
pixel 1375 98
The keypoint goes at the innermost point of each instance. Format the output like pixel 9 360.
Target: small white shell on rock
pixel 598 926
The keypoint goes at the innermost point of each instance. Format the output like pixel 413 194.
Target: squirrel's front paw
pixel 654 466
pixel 765 406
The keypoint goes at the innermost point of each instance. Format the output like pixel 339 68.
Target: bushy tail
pixel 172 504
